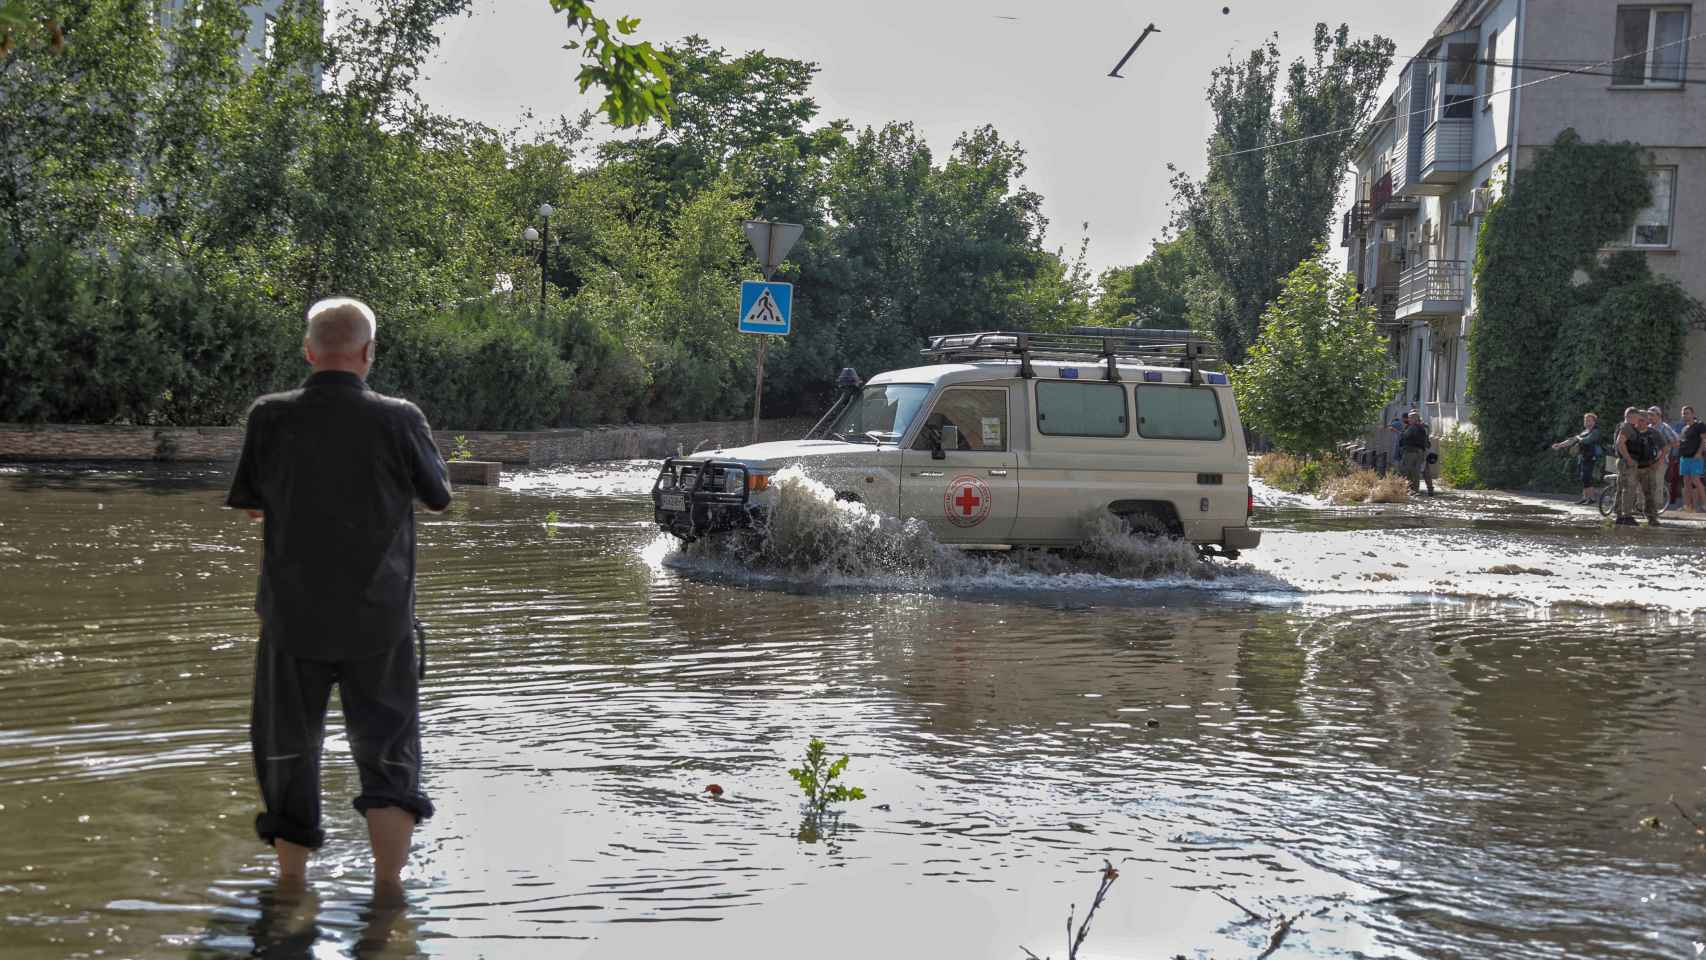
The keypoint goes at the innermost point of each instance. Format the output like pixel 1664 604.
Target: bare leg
pixel 389 830
pixel 292 863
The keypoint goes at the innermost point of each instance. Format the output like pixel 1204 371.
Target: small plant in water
pixel 459 449
pixel 817 776
pixel 551 517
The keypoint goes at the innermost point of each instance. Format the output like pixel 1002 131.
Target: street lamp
pixel 530 235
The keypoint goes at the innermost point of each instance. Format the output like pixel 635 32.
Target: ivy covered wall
pixel 1563 329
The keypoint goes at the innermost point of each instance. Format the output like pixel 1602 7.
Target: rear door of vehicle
pixel 971 495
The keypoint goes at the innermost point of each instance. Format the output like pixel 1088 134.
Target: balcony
pixel 1355 223
pixel 1385 206
pixel 1432 288
pixel 1448 149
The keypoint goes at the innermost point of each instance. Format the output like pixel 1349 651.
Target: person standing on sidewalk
pixel 1639 451
pixel 1692 462
pixel 1413 445
pixel 1670 481
pixel 1587 454
pixel 334 470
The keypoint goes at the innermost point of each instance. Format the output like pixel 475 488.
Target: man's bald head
pixel 340 335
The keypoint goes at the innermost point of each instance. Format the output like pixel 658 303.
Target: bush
pixel 1458 451
pixel 1391 488
pixel 1295 474
pixel 499 378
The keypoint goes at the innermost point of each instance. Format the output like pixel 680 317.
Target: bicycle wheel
pixel 1608 497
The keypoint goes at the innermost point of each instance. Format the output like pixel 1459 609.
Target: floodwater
pixel 1428 731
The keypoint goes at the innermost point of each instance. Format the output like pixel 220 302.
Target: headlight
pixel 667 481
pixel 734 481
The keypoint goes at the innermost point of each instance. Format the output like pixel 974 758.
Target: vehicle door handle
pixel 927 473
pixel 998 473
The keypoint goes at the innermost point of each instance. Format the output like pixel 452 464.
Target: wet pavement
pixel 1388 721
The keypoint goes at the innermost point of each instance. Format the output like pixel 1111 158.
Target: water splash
pixel 812 536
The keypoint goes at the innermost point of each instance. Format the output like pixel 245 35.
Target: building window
pixel 1652 224
pixel 1487 69
pixel 269 26
pixel 1651 46
pixel 1460 81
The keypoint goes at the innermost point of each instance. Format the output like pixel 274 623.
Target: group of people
pixel 1661 464
pixel 1412 451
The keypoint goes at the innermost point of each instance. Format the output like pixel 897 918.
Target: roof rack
pixel 1106 346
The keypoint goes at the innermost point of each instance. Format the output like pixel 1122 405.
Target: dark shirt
pixel 1644 445
pixel 1415 437
pixel 336 468
pixel 1587 443
pixel 1691 436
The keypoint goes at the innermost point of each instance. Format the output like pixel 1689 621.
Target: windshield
pixel 881 414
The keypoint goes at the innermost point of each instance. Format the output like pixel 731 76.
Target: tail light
pixel 1249 501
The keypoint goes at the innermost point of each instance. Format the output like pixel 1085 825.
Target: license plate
pixel 676 502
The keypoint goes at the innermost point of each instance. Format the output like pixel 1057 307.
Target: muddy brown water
pixel 1418 774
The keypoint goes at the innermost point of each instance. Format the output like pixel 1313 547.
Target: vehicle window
pixel 980 413
pixel 1179 413
pixel 881 413
pixel 1068 409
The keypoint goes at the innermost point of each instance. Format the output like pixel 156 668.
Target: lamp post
pixel 530 235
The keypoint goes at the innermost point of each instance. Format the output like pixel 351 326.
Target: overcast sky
pixel 1098 147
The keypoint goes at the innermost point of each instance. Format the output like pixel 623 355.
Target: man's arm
pixel 430 476
pixel 245 493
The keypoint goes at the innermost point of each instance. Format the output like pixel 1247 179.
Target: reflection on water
pixel 1491 760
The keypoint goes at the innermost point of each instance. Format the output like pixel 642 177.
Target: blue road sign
pixel 766 307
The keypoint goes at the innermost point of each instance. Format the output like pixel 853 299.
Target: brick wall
pixel 535 448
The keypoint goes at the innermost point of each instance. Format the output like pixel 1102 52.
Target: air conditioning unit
pixel 1480 201
pixel 1460 212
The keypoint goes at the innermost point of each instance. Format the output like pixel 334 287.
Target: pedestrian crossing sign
pixel 766 307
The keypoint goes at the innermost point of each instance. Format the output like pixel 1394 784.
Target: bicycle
pixel 1608 496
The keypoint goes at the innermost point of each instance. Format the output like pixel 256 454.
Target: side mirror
pixel 947 438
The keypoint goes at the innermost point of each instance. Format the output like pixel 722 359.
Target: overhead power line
pixel 1588 71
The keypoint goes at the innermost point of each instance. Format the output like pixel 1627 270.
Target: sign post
pixel 769 311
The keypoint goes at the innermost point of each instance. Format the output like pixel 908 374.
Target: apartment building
pixel 1467 114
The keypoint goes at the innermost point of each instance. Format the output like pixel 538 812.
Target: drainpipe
pixel 1512 116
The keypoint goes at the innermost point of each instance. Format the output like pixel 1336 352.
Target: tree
pixel 1610 341
pixel 1318 374
pixel 1154 294
pixel 1275 163
pixel 635 77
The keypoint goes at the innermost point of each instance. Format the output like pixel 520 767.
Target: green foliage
pixel 1154 294
pixel 459 449
pixel 1458 451
pixel 1300 474
pixel 1275 162
pixel 1606 343
pixel 1319 372
pixel 816 777
pixel 635 77
pixel 161 253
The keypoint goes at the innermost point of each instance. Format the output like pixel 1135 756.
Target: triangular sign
pixel 771 241
pixel 764 311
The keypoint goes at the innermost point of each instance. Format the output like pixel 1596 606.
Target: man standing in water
pixel 1414 443
pixel 335 469
pixel 1639 449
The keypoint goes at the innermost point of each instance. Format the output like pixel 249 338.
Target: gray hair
pixel 340 326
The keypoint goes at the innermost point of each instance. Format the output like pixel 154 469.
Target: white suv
pixel 1008 439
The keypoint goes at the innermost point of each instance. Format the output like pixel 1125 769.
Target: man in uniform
pixel 1413 445
pixel 1640 451
pixel 335 469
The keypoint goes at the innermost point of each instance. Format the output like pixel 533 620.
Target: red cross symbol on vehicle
pixel 967 501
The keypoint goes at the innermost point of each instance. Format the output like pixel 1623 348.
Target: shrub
pixel 1458 451
pixel 1391 488
pixel 1352 489
pixel 1279 470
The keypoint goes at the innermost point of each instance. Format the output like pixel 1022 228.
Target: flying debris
pixel 1000 17
pixel 1141 37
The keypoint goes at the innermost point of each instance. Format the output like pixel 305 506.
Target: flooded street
pixel 1431 731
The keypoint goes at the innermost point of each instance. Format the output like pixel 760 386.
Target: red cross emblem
pixel 966 503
